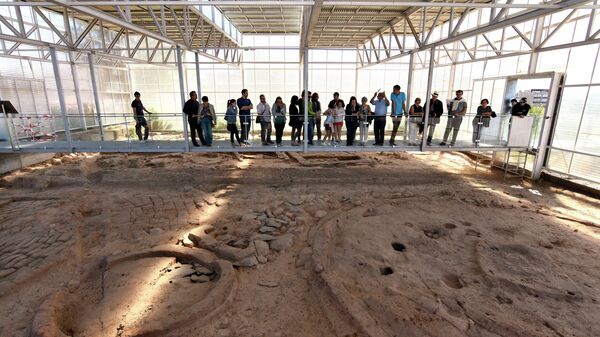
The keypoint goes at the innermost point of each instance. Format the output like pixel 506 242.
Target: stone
pixel 283 242
pixel 202 270
pixel 250 261
pixel 64 237
pixel 262 259
pixel 200 278
pixel 6 272
pixel 263 237
pixel 266 229
pixel 184 270
pixel 319 268
pixel 303 257
pixel 300 220
pixel 262 248
pixel 272 223
pixel 295 202
pixel 209 199
pixel 154 231
pixel 186 242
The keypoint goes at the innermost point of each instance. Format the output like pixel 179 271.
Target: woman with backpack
pixel 278 112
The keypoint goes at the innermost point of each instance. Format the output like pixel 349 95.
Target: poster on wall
pixel 520 131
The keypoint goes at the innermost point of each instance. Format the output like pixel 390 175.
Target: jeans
pixel 364 132
pixel 318 125
pixel 379 126
pixel 206 125
pixel 279 132
pixel 453 125
pixel 396 124
pixel 195 126
pixel 245 121
pixel 265 131
pixel 311 129
pixel 139 122
pixel 233 131
pixel 351 126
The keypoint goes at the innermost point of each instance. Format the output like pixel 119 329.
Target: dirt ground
pixel 382 244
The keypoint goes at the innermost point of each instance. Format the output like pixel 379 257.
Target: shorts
pixel 339 124
pixel 327 127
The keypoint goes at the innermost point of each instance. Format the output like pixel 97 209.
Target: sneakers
pixel 392 143
pixel 443 144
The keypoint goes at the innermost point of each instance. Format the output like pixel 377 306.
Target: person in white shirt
pixel 338 120
pixel 263 111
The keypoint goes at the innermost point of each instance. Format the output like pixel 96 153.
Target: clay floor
pixel 267 245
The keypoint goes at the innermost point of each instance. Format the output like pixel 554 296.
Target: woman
pixel 352 111
pixel 482 120
pixel 316 108
pixel 415 116
pixel 231 117
pixel 278 112
pixel 338 121
pixel 295 121
pixel 364 116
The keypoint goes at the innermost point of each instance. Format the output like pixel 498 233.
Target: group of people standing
pixel 355 115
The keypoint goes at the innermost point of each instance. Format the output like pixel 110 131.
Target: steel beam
pixel 61 96
pixel 96 95
pixel 186 141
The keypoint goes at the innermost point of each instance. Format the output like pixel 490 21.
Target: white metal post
pixel 61 96
pixel 306 102
pixel 409 92
pixel 427 99
pixel 96 98
pixel 199 89
pixel 75 74
pixel 537 40
pixel 186 142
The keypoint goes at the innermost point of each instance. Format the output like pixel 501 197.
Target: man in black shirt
pixel 521 109
pixel 190 108
pixel 333 103
pixel 138 113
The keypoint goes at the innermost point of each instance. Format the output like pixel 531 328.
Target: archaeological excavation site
pixel 291 244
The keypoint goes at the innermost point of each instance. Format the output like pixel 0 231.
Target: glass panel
pixel 569 115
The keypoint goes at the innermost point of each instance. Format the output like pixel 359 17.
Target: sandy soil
pixel 358 245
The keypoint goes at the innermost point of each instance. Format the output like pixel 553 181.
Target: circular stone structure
pixel 146 293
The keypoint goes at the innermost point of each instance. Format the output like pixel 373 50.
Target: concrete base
pixel 14 161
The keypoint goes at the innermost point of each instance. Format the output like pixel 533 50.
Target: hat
pixel 435 94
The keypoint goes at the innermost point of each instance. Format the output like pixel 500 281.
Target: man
pixel 398 99
pixel 191 108
pixel 457 108
pixel 333 103
pixel 311 116
pixel 381 105
pixel 245 105
pixel 138 114
pixel 433 110
pixel 521 109
pixel 263 110
pixel 207 120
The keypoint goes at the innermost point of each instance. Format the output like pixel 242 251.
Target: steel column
pixel 186 141
pixel 427 99
pixel 306 102
pixel 61 97
pixel 95 92
pixel 199 88
pixel 537 40
pixel 75 74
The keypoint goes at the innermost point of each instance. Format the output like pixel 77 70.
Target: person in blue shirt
pixel 381 104
pixel 398 99
pixel 245 105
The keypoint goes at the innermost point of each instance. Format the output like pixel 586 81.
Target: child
pixel 328 126
pixel 338 120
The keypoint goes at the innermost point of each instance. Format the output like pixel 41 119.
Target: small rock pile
pixel 275 229
pixel 197 273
